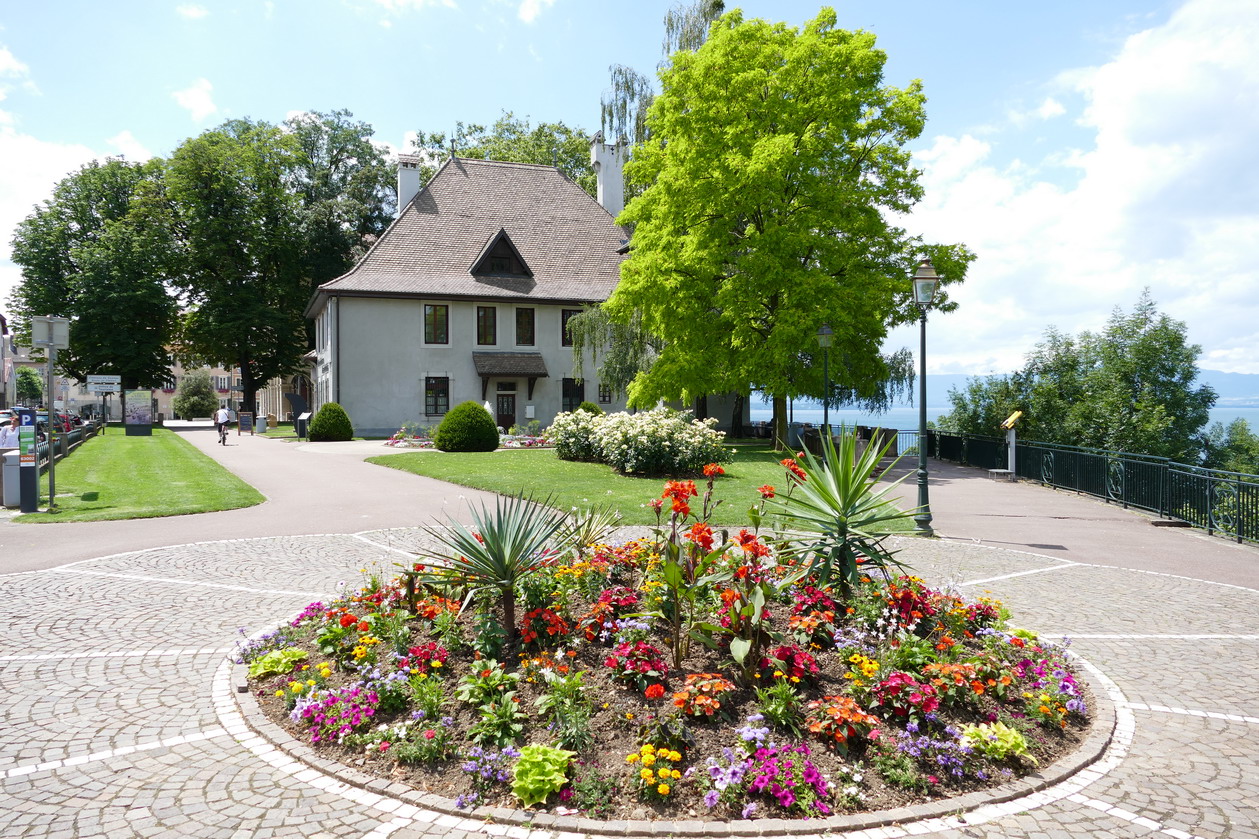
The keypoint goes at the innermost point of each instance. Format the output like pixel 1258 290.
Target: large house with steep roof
pixel 467 296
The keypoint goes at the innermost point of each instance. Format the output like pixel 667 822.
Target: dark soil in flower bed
pixel 921 663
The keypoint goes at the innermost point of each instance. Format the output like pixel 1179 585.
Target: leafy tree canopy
pixel 1127 388
pixel 776 158
pixel 84 255
pixel 30 387
pixel 347 188
pixel 239 257
pixel 196 396
pixel 1234 448
pixel 512 140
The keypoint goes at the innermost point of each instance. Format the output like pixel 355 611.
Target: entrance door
pixel 506 410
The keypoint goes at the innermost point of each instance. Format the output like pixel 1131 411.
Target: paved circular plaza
pixel 118 718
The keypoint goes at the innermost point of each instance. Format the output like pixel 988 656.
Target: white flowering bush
pixel 659 442
pixel 572 435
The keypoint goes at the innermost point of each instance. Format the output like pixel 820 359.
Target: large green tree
pixel 513 140
pixel 1233 447
pixel 347 190
pixel 776 158
pixel 30 387
pixel 84 255
pixel 1130 387
pixel 239 256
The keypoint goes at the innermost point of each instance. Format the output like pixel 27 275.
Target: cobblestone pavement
pixel 118 720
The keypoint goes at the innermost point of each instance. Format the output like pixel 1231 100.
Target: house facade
pixel 467 296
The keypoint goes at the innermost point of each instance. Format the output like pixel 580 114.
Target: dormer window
pixel 499 256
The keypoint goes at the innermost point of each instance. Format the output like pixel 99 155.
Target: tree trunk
pixel 736 417
pixel 701 407
pixel 780 423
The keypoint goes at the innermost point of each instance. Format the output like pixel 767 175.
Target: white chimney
pixel 608 160
pixel 408 179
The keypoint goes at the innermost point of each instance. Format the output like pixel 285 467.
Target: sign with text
pixel 104 380
pixel 103 387
pixel 138 421
pixel 27 444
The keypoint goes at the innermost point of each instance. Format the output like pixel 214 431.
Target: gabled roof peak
pixel 500 256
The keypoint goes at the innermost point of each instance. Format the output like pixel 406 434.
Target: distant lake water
pixel 903 417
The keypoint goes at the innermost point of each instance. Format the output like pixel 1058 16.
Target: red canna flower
pixel 766 491
pixel 712 470
pixel 702 535
pixel 654 691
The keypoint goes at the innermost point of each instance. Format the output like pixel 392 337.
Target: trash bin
pixel 795 434
pixel 260 425
pixel 11 478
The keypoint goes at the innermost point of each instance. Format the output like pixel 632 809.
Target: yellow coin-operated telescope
pixel 1011 442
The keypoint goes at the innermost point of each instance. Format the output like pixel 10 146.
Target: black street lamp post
pixel 824 335
pixel 925 282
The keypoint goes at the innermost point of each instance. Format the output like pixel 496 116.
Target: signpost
pixel 51 333
pixel 104 384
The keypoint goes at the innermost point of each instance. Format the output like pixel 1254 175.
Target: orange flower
pixel 766 491
pixel 712 470
pixel 702 535
pixel 654 691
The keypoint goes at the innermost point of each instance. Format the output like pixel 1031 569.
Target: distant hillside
pixel 1233 390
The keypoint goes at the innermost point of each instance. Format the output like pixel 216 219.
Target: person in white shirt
pixel 221 418
pixel 9 434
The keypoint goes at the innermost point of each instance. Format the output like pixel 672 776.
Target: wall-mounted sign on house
pixel 468 294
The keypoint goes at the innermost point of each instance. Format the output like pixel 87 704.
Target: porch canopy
pixel 527 365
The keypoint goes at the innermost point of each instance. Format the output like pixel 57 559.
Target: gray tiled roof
pixel 569 242
pixel 509 364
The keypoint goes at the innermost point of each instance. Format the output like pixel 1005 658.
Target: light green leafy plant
pixel 540 771
pixel 275 663
pixel 996 740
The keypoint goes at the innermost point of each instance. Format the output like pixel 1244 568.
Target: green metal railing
pixel 1220 502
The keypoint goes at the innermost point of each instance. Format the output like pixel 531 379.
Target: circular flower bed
pixel 698 674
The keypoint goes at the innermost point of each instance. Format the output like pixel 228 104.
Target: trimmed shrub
pixel 331 424
pixel 590 408
pixel 468 427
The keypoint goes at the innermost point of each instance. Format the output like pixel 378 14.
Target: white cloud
pixel 22 187
pixel 1163 197
pixel 10 66
pixel 398 6
pixel 196 99
pixel 127 145
pixel 530 9
pixel 1050 108
pixel 191 11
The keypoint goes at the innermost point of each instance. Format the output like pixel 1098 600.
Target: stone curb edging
pixel 1099 738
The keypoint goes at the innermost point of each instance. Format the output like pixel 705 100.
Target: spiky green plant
pixel 503 546
pixel 840 514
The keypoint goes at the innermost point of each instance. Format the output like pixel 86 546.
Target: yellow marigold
pixel 675 756
pixel 648 749
pixel 648 760
pixel 279 693
pixel 677 775
pixel 631 758
pixel 646 774
pixel 663 789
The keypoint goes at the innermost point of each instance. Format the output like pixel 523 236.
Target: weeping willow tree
pixel 624 106
pixel 622 350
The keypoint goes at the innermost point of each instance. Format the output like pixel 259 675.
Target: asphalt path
pixel 310 488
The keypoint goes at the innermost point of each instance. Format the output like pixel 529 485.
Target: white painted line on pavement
pixel 1212 715
pixel 1122 637
pixel 1020 574
pixel 79 760
pixel 374 544
pixel 180 582
pixel 1130 817
pixel 120 654
pixel 386 829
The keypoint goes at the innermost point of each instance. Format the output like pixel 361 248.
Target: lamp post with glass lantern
pixel 925 282
pixel 824 336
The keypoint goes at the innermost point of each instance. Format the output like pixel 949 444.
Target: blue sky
pixel 1084 150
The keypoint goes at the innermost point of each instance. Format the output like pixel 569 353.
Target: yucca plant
pixel 840 514
pixel 584 528
pixel 503 546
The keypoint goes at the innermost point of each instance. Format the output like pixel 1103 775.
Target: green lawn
pixel 114 476
pixel 540 472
